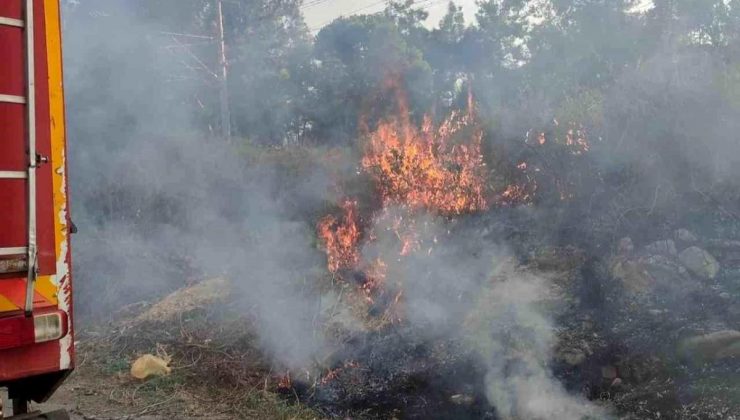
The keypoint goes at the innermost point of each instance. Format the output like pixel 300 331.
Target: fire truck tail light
pixel 20 330
pixel 49 327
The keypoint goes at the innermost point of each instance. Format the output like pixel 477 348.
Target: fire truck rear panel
pixel 22 355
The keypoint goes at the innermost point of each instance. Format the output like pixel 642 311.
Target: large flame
pixel 433 168
pixel 437 168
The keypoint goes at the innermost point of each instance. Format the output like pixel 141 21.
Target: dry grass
pixel 217 371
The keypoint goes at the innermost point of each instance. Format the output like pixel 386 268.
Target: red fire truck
pixel 36 337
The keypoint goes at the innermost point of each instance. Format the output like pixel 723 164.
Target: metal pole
pixel 32 158
pixel 224 94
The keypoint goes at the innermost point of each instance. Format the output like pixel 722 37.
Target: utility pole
pixel 224 73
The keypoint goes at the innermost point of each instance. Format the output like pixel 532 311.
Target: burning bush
pixel 438 168
pixel 435 168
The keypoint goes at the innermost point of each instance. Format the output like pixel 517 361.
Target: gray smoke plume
pixel 161 201
pixel 458 283
pixel 515 339
pixel 159 205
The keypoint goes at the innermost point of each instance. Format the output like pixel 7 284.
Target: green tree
pixel 267 45
pixel 445 50
pixel 353 58
pixel 696 22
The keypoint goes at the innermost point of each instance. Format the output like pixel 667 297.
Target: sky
pixel 321 12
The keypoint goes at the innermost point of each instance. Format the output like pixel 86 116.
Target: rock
pixel 632 274
pixel 699 262
pixel 656 267
pixel 726 251
pixel 711 347
pixel 685 237
pixel 199 295
pixel 462 399
pixel 609 372
pixel 666 247
pixel 666 271
pixel 645 275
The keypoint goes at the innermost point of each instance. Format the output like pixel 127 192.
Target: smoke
pixel 159 204
pixel 460 284
pixel 515 339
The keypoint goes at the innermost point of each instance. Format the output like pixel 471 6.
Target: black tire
pixel 20 406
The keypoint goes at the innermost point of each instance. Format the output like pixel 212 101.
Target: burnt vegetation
pixel 533 214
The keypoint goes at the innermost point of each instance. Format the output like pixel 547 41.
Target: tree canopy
pixel 653 87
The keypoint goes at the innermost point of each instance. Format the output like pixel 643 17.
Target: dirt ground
pixel 214 369
pixel 104 390
pixel 209 378
pixel 91 393
pixel 85 398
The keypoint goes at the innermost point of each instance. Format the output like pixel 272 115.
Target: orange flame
pixel 333 374
pixel 430 167
pixel 438 168
pixel 376 275
pixel 341 238
pixel 576 140
pixel 285 382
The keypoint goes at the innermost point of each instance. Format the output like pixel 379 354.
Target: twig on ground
pixel 149 408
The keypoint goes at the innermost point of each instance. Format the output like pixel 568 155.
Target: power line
pixel 430 3
pixel 186 35
pixel 312 3
pixel 367 7
pixel 353 12
pixel 309 4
